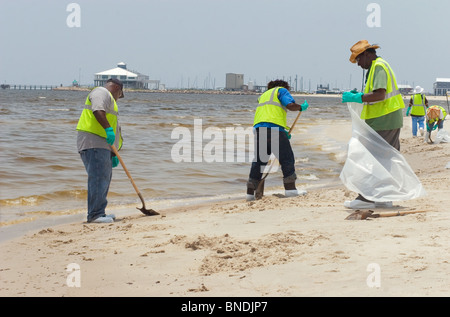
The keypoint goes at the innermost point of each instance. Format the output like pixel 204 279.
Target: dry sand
pixel 288 247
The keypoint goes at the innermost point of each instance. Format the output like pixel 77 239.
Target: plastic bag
pixel 374 168
pixel 442 136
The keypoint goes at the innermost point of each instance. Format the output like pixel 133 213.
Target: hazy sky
pixel 197 42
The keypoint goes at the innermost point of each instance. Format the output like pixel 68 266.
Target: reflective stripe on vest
pixel 393 100
pixel 88 122
pixel 270 109
pixel 418 107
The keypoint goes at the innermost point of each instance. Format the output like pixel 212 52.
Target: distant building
pixel 234 81
pixel 441 86
pixel 322 89
pixel 130 79
pixel 405 89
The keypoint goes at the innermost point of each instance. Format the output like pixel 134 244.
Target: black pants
pixel 268 141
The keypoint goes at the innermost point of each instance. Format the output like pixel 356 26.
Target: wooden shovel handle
pixel 296 119
pixel 399 213
pixel 125 169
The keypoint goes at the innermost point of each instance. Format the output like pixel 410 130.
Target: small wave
pixel 309 177
pixel 36 200
pixel 32 159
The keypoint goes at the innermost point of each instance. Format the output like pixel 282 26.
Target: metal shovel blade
pixel 145 211
pixel 360 215
pixel 148 212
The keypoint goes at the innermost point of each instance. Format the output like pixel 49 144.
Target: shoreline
pixel 226 92
pixel 276 246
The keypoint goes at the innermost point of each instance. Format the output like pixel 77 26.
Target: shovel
pixel 259 192
pixel 147 212
pixel 364 214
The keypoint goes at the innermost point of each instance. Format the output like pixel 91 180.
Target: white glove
pixel 427 136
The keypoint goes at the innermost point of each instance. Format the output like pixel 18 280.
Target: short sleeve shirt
pixel 101 100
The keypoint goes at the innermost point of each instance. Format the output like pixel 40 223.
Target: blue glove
pixel 408 111
pixel 304 106
pixel 115 161
pixel 110 136
pixel 351 96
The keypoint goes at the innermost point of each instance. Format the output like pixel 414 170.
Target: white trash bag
pixel 442 136
pixel 374 168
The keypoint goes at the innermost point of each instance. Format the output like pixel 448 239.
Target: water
pixel 42 174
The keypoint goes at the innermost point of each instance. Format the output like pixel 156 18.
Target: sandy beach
pixel 280 247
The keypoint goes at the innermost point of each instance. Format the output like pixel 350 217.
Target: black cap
pixel 117 82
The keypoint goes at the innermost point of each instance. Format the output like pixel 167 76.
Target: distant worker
pixel 98 129
pixel 383 105
pixel 271 120
pixel 417 109
pixel 435 118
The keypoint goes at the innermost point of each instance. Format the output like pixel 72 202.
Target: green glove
pixel 350 96
pixel 115 161
pixel 304 106
pixel 408 111
pixel 110 136
pixel 287 134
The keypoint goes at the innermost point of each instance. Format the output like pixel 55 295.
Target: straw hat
pixel 418 90
pixel 433 112
pixel 360 47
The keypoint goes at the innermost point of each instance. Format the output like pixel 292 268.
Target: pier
pixel 28 87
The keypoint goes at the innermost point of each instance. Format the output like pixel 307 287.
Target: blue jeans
pixel 417 121
pixel 98 166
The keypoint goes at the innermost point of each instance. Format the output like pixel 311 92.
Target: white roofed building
pixel 130 79
pixel 405 89
pixel 441 86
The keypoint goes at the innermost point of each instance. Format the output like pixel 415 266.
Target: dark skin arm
pixel 294 107
pixel 374 96
pixel 100 115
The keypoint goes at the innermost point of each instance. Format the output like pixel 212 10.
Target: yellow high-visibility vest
pixel 88 122
pixel 418 107
pixel 393 100
pixel 270 109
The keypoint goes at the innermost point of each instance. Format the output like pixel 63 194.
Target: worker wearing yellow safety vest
pixel 272 137
pixel 435 118
pixel 417 108
pixel 98 129
pixel 383 104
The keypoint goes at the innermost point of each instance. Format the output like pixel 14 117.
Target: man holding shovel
pixel 435 117
pixel 383 105
pixel 98 129
pixel 271 136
